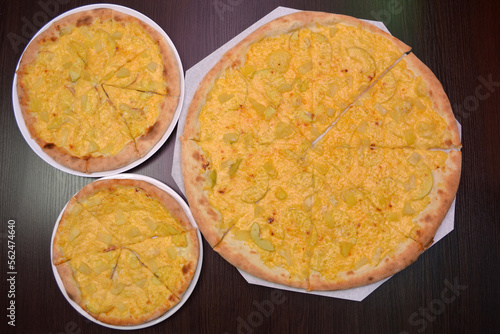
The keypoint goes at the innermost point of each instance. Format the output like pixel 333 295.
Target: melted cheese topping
pixel 131 214
pixel 65 82
pixel 80 233
pixel 135 291
pixel 339 205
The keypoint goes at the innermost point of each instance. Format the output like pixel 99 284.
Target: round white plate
pixel 38 150
pixel 189 290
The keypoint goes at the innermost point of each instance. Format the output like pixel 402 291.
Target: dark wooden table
pixel 452 288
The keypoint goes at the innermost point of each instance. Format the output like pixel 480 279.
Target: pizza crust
pixel 189 269
pixel 165 199
pixel 72 288
pixel 103 163
pixel 405 254
pixel 442 195
pixel 152 136
pixel 440 100
pixel 195 176
pixel 132 320
pixel 248 260
pixel 192 126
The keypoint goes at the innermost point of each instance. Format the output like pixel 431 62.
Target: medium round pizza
pixel 320 153
pixel 125 251
pixel 98 89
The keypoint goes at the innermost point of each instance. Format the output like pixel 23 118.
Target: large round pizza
pixel 320 153
pixel 98 89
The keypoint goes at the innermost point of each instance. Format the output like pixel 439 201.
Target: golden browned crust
pixel 170 67
pixel 196 167
pixel 405 254
pixel 195 170
pixel 442 194
pixel 153 135
pixel 62 156
pixel 243 257
pixel 190 267
pixel 104 163
pixel 70 285
pixel 84 18
pixel 327 18
pixel 439 99
pixel 131 320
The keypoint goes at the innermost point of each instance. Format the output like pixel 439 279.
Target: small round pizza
pixel 98 89
pixel 319 153
pixel 125 251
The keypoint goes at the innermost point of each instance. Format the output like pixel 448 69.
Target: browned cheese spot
pixel 186 268
pixel 84 21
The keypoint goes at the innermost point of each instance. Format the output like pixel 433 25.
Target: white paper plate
pixel 189 289
pixel 38 150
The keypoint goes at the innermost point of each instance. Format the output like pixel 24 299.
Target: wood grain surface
pixel 452 288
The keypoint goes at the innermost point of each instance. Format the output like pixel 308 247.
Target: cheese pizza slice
pixel 405 108
pixel 172 259
pixel 137 295
pixel 147 115
pixel 87 279
pixel 372 204
pixel 78 233
pixel 277 228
